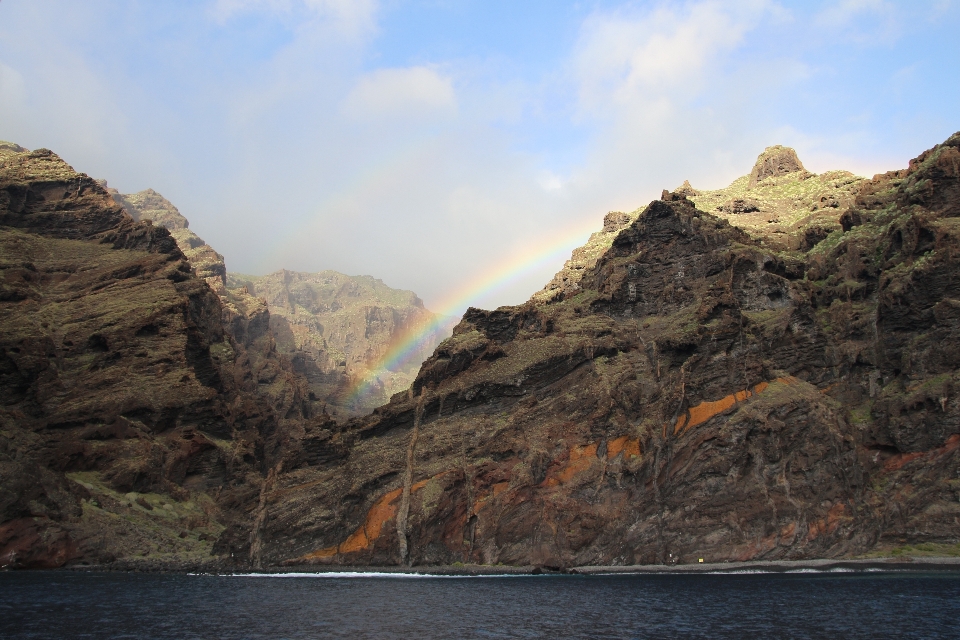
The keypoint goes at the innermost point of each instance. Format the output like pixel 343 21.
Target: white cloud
pixel 671 96
pixel 550 181
pixel 410 91
pixel 861 20
pixel 623 58
pixel 349 17
pixel 844 12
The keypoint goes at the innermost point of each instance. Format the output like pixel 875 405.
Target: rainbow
pixel 408 344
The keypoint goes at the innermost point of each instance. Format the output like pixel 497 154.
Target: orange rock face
pixel 706 410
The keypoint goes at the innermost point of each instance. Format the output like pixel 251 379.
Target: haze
pixel 430 143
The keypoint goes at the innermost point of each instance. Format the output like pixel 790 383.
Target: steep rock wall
pixel 705 393
pixel 336 329
pixel 126 432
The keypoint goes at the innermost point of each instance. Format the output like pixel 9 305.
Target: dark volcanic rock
pixel 128 413
pixel 685 388
pixel 697 395
pixel 775 161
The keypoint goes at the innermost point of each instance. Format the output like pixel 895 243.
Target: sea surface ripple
pixel 765 605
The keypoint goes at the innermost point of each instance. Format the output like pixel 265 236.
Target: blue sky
pixel 427 142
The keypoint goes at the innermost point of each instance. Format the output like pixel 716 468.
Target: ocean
pixel 846 604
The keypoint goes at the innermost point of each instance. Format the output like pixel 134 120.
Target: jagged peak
pixel 686 190
pixel 775 161
pixel 10 147
pixel 150 205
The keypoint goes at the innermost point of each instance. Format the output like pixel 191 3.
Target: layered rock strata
pixel 133 426
pixel 337 329
pixel 150 205
pixel 707 391
pixel 694 385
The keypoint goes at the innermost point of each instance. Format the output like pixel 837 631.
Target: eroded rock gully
pixel 769 384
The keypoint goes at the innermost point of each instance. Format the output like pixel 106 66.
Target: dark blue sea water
pixel 805 605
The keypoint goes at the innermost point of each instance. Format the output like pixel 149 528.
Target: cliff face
pixel 150 205
pixel 335 328
pixel 332 329
pixel 131 426
pixel 264 372
pixel 776 378
pixel 705 391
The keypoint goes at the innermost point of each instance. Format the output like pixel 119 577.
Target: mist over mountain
pixel 337 329
pixel 430 143
pixel 764 371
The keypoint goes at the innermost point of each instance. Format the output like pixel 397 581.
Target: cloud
pixel 844 12
pixel 411 91
pixel 671 95
pixel 550 181
pixel 623 58
pixel 865 21
pixel 348 17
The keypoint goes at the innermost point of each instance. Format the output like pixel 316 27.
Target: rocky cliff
pixel 137 418
pixel 724 384
pixel 150 205
pixel 767 371
pixel 336 329
pixel 245 316
pixel 333 329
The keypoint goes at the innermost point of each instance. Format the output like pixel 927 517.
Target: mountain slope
pixel 706 391
pixel 335 328
pixel 134 426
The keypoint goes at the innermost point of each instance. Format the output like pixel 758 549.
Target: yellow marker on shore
pixel 701 560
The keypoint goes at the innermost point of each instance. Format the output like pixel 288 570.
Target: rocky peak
pixel 775 161
pixel 779 202
pixel 10 147
pixel 150 205
pixel 614 221
pixel 686 190
pixel 335 328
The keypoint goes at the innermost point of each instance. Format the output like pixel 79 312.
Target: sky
pixel 461 149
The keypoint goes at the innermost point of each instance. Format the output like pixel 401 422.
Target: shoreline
pixel 820 565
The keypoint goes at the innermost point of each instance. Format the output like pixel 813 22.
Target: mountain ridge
pixel 770 380
pixel 707 391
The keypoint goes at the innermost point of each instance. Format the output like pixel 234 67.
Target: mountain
pixel 337 328
pixel 767 371
pixel 334 328
pixel 150 205
pixel 140 414
pixel 147 404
